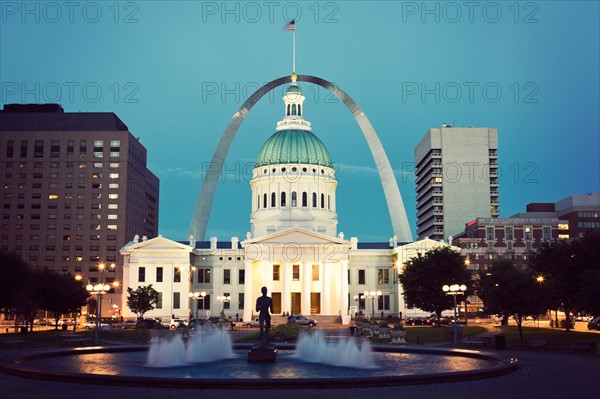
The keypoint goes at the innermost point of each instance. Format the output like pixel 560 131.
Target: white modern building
pixel 457 179
pixel 293 247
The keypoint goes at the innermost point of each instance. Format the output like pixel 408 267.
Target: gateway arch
pixel 386 174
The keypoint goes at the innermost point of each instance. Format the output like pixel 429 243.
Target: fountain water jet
pixel 346 352
pixel 201 347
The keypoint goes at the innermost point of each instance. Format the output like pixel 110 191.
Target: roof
pixel 293 146
pixel 206 244
pixel 377 245
pixel 52 119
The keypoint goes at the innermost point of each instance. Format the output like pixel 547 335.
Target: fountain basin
pixel 45 365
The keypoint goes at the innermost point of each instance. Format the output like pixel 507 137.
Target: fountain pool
pixel 211 360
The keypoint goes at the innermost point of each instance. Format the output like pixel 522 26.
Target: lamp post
pixel 455 290
pixel 224 299
pixel 372 295
pixel 100 290
pixel 197 296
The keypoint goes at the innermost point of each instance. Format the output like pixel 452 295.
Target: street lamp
pixel 197 296
pixel 98 289
pixel 455 290
pixel 372 295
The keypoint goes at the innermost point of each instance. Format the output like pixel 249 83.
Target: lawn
pixel 558 340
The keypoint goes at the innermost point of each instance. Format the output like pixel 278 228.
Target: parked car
pixel 174 323
pixel 127 324
pixel 251 323
pixel 594 324
pixel 302 320
pixel 148 324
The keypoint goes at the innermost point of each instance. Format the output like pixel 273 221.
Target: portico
pixel 306 272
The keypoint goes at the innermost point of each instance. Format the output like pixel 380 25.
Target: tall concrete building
pixel 75 189
pixel 457 179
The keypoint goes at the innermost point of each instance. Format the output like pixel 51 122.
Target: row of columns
pixel 328 273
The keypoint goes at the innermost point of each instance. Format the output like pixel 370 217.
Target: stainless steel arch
pixel 386 174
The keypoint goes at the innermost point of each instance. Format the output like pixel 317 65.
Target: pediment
pixel 156 244
pixel 297 235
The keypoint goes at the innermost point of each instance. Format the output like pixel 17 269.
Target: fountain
pixel 209 359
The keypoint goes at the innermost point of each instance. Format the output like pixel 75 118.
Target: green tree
pixel 63 294
pixel 562 265
pixel 13 278
pixel 424 276
pixel 588 251
pixel 142 300
pixel 510 292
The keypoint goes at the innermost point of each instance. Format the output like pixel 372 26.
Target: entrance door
pixel 315 303
pixel 296 303
pixel 276 296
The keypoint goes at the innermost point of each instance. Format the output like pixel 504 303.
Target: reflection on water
pixel 132 363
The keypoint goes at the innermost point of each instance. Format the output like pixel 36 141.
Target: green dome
pixel 293 146
pixel 293 90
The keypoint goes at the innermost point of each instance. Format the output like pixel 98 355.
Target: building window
pixel 38 148
pixel 361 276
pixel 177 275
pixel 226 276
pixel 283 200
pixel 304 200
pixel 265 200
pixel 383 302
pixel 490 246
pixel 508 233
pixel 226 304
pixel 322 201
pixel 10 144
pixel 509 245
pixel 273 200
pixel 159 274
pixel 159 301
pixel 294 199
pixel 546 233
pixel 315 272
pixel 383 276
pixel 142 275
pixel 241 300
pixel 241 277
pixel 176 300
pixel 296 272
pixel 489 233
pixel 203 276
pixel 314 200
pixel 528 233
pixel 276 272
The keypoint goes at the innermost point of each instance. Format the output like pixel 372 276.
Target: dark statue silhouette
pixel 262 352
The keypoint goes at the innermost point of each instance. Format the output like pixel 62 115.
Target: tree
pixel 424 276
pixel 13 278
pixel 63 294
pixel 142 300
pixel 510 292
pixel 570 269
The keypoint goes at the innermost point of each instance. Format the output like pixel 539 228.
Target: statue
pixel 262 351
pixel 264 307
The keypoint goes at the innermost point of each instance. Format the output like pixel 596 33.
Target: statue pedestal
pixel 260 353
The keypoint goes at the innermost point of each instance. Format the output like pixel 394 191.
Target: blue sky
pixel 175 72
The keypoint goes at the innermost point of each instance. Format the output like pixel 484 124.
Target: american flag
pixel 291 25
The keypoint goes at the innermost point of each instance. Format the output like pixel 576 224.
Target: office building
pixel 457 179
pixel 75 189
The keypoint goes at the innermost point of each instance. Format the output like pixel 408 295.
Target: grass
pixel 433 335
pixel 558 340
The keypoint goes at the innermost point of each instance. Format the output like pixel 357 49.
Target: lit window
pixel 113 196
pixel 52 196
pixel 113 175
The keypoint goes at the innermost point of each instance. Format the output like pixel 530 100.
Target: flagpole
pixel 294 51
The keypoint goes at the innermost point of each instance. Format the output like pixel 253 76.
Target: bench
pixel 583 346
pixel 483 341
pixel 536 343
pixel 12 341
pixel 68 338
